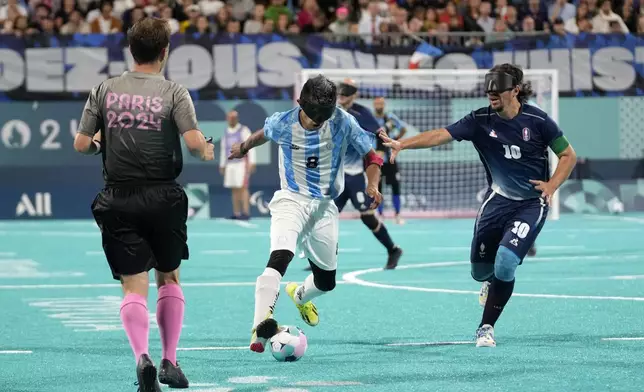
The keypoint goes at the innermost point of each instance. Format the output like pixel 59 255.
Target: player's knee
pixel 371 221
pixel 164 278
pixel 323 280
pixel 482 272
pixel 280 260
pixel 506 264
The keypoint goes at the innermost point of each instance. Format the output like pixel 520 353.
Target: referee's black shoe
pixel 172 375
pixel 394 256
pixel 146 374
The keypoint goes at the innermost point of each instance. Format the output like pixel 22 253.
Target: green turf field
pixel 576 322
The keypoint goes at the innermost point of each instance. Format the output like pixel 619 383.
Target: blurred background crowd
pixel 368 18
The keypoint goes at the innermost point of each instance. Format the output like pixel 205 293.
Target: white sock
pixel 307 291
pixel 267 289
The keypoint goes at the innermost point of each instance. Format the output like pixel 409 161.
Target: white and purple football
pixel 289 345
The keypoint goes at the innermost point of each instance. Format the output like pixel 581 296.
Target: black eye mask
pixel 346 90
pixel 498 82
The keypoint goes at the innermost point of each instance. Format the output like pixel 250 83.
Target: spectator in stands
pixel 593 8
pixel 306 15
pixel 585 26
pixel 241 9
pixel 211 7
pixel 193 12
pixel 282 24
pixel 640 24
pixel 166 14
pixel 11 11
pixel 233 27
pixel 221 19
pixel 561 9
pixel 512 18
pixel 41 13
pixel 268 26
pixel 369 24
pixel 528 25
pixel 22 28
pixel 537 12
pixel 572 25
pixel 276 8
pixel 106 23
pixel 601 22
pixel 75 24
pixel 153 8
pixel 254 25
pixel 202 26
pixel 126 16
pixel 558 28
pixel 501 7
pixel 48 26
pixel 62 15
pixel 431 20
pixel 341 24
pixel 448 16
pixel 627 12
pixel 485 20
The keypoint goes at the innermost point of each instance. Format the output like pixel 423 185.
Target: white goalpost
pixel 446 181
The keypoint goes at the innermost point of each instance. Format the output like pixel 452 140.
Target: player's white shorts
pixel 308 224
pixel 235 175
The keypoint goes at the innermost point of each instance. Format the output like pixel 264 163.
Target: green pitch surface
pixel 576 322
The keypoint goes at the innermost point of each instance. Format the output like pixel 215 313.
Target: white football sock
pixel 267 289
pixel 307 291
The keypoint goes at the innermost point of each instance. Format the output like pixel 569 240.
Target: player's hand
pixel 208 153
pixel 547 189
pixel 394 145
pixel 374 194
pixel 236 151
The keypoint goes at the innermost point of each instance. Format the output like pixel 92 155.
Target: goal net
pixel 449 180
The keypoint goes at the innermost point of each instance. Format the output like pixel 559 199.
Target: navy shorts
pixel 514 224
pixel 354 190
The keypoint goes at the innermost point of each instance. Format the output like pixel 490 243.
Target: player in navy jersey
pixel 512 139
pixel 354 175
pixel 395 129
pixel 313 139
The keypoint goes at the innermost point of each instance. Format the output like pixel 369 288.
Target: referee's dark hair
pixel 148 39
pixel 525 88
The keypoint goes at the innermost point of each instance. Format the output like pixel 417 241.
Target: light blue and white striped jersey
pixel 311 162
pixel 354 161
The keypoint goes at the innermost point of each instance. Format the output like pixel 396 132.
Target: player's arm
pixel 271 131
pixel 88 139
pixel 256 139
pixel 567 160
pixel 560 145
pixel 185 117
pixel 362 141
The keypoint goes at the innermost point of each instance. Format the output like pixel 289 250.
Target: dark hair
pixel 319 91
pixel 525 88
pixel 147 39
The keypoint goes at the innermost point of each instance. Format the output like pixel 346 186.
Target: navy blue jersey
pixel 512 151
pixel 354 163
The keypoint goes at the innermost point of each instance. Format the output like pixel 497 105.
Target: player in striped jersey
pixel 313 139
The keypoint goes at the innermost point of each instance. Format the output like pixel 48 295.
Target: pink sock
pixel 136 322
pixel 170 308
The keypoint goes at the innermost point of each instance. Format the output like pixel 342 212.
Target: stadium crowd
pixel 369 18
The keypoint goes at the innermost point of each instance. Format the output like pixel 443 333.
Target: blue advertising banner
pixel 225 66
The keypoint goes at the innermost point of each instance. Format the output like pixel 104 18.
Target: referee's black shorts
pixel 142 227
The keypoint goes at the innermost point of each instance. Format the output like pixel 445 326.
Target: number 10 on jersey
pixel 512 152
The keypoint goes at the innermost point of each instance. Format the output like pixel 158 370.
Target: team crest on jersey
pixel 526 134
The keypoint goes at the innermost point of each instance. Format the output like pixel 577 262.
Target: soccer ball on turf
pixel 289 345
